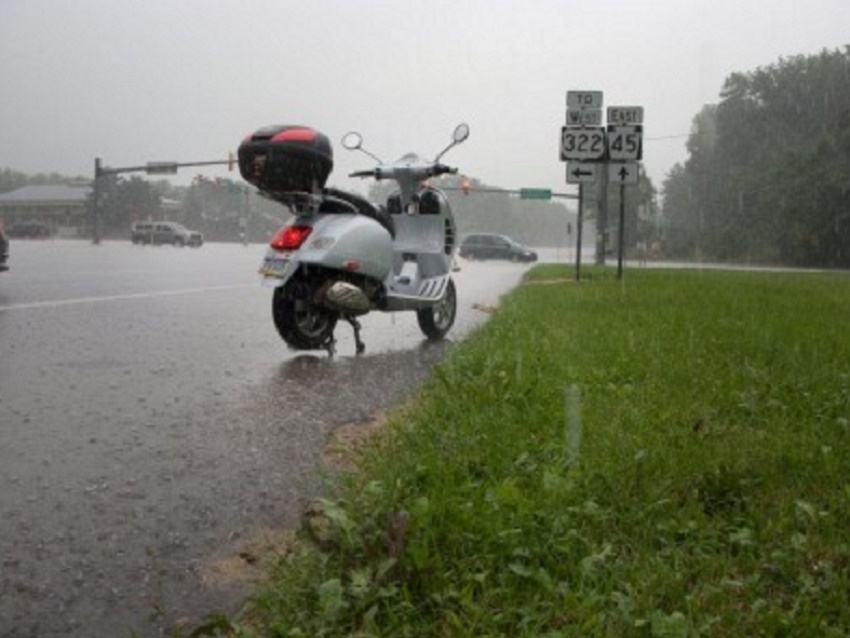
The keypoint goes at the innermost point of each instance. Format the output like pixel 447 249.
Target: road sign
pixel 584 100
pixel 584 117
pixel 582 172
pixel 161 168
pixel 625 143
pixel 625 115
pixel 535 193
pixel 623 173
pixel 582 143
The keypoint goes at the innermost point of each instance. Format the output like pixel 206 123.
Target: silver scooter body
pixel 345 242
pixel 346 261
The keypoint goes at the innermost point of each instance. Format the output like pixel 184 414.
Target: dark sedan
pixel 490 246
pixel 30 230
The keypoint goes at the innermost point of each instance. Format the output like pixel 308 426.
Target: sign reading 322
pixel 586 143
pixel 625 143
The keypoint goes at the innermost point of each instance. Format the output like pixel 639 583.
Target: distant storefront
pixel 62 208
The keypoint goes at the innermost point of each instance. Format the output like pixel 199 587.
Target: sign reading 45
pixel 585 143
pixel 625 143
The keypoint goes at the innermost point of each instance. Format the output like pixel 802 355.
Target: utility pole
pixel 95 205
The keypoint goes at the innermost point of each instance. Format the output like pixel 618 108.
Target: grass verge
pixel 663 456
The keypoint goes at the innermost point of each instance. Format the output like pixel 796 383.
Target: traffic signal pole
pixel 151 168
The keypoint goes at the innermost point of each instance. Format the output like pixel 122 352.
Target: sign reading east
pixel 625 115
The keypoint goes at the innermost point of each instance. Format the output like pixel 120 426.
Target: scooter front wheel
pixel 437 320
pixel 302 324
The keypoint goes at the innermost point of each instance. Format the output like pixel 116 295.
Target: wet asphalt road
pixel 151 420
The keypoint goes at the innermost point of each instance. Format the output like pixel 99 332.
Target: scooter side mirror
pixel 461 133
pixel 352 141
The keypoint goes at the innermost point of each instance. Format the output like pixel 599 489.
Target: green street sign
pixel 535 193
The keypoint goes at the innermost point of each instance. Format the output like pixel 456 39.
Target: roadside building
pixel 62 208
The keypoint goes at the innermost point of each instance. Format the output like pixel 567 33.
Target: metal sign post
pixel 622 233
pixel 579 224
pixel 583 147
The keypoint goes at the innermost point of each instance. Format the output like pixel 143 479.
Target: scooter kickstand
pixel 361 347
pixel 330 346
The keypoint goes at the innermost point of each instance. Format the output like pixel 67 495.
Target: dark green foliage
pixel 766 180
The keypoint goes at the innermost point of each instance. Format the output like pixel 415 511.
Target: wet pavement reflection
pixel 151 420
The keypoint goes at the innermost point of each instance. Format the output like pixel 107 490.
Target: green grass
pixel 667 455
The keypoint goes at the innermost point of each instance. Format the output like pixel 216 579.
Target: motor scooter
pixel 342 257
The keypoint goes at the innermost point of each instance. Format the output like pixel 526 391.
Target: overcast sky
pixel 186 80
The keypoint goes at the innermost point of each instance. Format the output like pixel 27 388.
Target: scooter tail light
pixel 290 237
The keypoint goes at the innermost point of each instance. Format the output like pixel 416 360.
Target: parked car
pixel 4 249
pixel 165 233
pixel 29 229
pixel 490 246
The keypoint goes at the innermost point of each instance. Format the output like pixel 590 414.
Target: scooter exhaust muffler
pixel 346 298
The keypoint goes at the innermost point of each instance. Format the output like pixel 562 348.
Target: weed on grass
pixel 661 456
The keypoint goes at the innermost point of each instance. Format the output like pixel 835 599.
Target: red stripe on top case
pixel 295 135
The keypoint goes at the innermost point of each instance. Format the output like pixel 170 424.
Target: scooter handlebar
pixel 441 169
pixel 396 173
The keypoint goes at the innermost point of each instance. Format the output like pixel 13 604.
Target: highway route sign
pixel 582 172
pixel 625 143
pixel 623 173
pixel 586 143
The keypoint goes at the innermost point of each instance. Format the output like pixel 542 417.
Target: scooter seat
pixel 364 207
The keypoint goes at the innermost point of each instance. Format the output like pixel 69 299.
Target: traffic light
pixel 465 185
pixel 231 161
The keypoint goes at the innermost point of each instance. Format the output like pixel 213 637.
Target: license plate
pixel 275 266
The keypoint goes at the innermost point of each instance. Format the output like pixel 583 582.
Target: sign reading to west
pixel 582 143
pixel 625 115
pixel 577 100
pixel 625 143
pixel 584 117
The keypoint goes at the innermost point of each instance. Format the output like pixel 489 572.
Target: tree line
pixel 217 207
pixel 767 179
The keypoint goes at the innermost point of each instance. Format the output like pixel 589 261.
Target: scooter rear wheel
pixel 436 321
pixel 302 324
